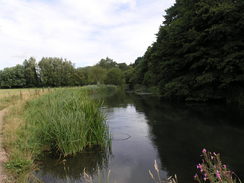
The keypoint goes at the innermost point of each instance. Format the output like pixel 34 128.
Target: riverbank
pixel 53 122
pixel 8 98
pixel 233 98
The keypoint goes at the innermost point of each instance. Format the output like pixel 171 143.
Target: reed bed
pixel 63 121
pixel 67 121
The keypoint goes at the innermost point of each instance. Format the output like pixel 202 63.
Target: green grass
pixel 63 121
pixel 67 121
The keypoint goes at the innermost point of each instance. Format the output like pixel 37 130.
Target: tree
pixel 56 72
pixel 30 67
pixel 115 77
pixel 96 75
pixel 199 51
pixel 107 63
pixel 13 77
pixel 81 76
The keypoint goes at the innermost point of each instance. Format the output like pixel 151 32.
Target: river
pixel 144 129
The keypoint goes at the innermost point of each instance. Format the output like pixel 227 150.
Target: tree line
pixel 58 72
pixel 198 54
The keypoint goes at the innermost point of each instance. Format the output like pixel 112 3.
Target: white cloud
pixel 79 30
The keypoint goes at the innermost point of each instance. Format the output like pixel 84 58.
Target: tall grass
pixel 63 121
pixel 67 121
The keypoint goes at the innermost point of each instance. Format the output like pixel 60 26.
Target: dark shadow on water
pixel 180 132
pixel 173 134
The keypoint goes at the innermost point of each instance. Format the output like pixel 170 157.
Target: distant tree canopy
pixel 199 52
pixel 55 72
pixel 30 72
pixel 13 77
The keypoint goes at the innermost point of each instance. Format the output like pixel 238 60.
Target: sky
pixel 82 31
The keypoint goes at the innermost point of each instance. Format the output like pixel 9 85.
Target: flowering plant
pixel 212 170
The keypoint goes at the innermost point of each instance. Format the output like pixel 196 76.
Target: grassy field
pixel 61 121
pixel 11 96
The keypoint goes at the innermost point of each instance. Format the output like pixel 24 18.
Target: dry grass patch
pixel 20 155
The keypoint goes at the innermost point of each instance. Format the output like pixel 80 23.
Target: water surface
pixel 145 129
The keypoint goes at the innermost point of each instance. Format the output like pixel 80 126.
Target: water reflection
pixel 145 129
pixel 181 131
pixel 71 169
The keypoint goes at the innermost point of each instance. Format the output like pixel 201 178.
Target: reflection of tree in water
pixel 119 99
pixel 181 131
pixel 72 168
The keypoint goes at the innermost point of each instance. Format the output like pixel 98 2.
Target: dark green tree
pixel 199 52
pixel 31 76
pixel 96 75
pixel 107 63
pixel 13 77
pixel 115 77
pixel 56 72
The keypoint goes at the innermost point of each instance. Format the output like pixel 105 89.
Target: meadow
pixel 9 96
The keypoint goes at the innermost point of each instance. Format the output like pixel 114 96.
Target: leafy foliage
pixel 199 53
pixel 56 72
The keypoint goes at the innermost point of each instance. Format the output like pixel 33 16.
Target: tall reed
pixel 67 121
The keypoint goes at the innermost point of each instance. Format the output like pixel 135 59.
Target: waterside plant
pixel 67 121
pixel 62 121
pixel 213 170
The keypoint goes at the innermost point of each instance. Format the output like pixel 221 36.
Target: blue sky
pixel 83 31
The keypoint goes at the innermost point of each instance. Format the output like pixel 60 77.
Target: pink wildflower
pixel 218 175
pixel 199 166
pixel 204 150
